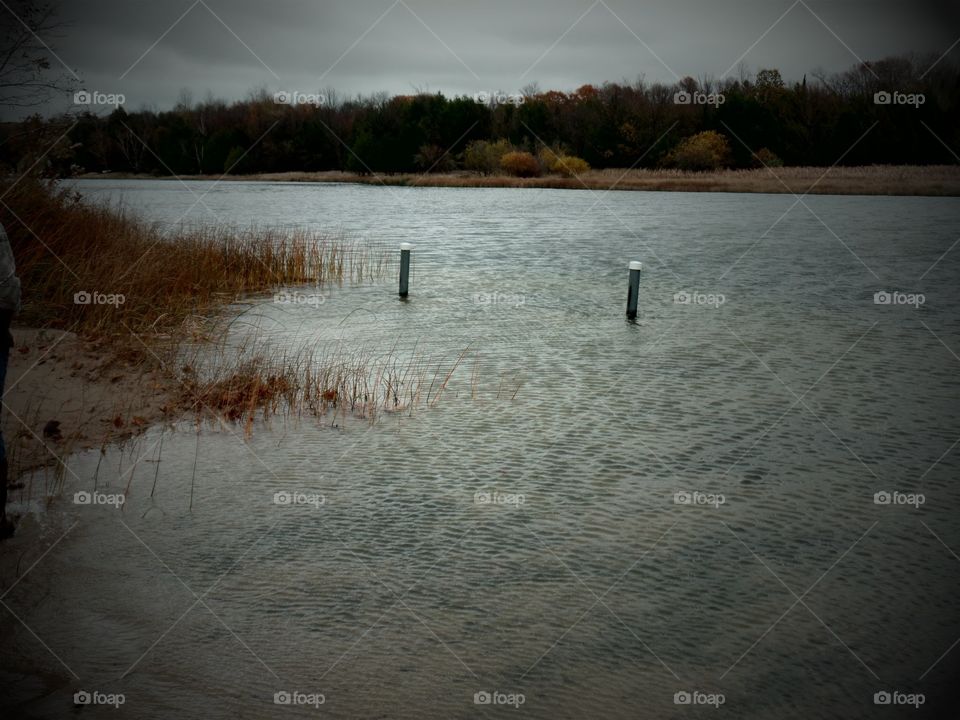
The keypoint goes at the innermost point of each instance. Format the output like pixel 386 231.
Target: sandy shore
pixel 64 394
pixel 868 180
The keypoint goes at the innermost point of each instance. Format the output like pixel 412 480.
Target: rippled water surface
pixel 782 393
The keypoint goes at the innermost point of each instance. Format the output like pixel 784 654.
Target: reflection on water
pixel 682 505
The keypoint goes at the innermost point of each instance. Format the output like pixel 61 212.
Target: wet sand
pixel 65 394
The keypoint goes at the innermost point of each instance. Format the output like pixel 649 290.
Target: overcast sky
pixel 150 50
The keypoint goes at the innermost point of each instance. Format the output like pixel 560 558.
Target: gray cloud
pixel 462 47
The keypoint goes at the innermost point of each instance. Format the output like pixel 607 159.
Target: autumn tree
pixel 520 164
pixel 708 150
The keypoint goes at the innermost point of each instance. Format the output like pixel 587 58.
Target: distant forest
pixel 901 110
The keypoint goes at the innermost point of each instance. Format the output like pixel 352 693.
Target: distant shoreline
pixel 934 180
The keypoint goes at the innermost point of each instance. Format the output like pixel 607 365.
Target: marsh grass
pixel 859 180
pixel 315 382
pixel 260 383
pixel 172 331
pixel 68 249
pixel 175 286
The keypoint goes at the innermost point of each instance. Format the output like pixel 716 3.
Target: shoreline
pixel 893 180
pixel 65 394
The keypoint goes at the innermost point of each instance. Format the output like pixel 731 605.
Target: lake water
pixel 680 508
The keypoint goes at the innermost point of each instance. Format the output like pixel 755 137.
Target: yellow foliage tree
pixel 708 150
pixel 569 165
pixel 520 164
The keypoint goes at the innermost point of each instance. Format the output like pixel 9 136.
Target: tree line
pixel 900 110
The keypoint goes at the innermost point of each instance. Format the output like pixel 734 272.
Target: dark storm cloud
pixel 464 47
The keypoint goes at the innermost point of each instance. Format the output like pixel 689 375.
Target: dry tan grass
pixel 64 246
pixel 245 383
pixel 867 180
pixel 170 327
pixel 173 288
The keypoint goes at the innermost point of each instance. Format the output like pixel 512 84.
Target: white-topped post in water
pixel 633 290
pixel 405 249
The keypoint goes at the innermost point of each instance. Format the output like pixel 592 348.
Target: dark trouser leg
pixel 6 527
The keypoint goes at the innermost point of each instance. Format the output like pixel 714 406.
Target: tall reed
pixel 241 383
pixel 101 272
